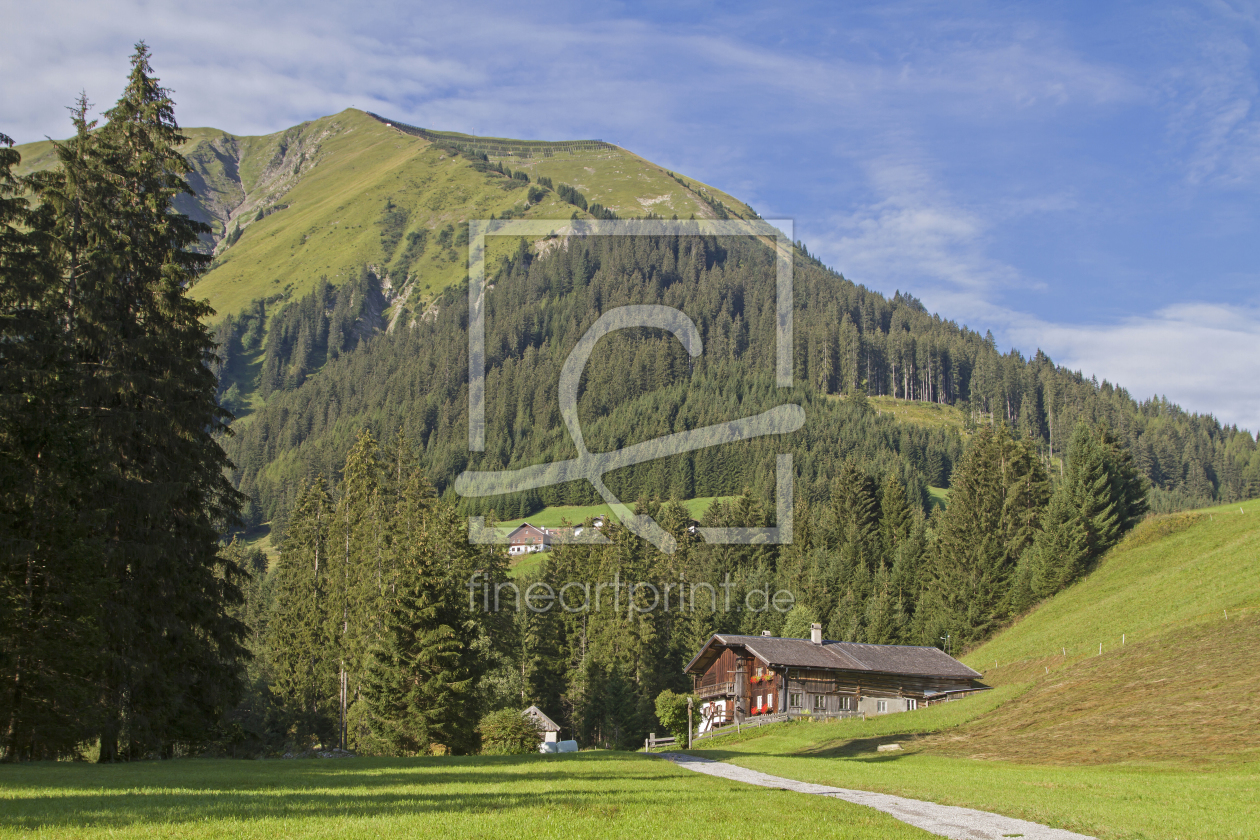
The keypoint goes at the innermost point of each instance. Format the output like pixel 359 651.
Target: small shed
pixel 548 727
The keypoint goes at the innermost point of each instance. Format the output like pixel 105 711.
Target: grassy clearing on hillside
pixel 1186 696
pixel 558 515
pixel 920 413
pixel 594 794
pixel 259 537
pixel 938 497
pixel 1171 572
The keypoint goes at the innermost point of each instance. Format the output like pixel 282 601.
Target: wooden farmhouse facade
pixel 738 677
pixel 527 538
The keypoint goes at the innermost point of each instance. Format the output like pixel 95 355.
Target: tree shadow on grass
pixel 58 795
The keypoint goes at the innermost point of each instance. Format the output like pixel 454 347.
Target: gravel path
pixel 944 820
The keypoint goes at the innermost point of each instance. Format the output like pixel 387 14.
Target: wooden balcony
pixel 723 689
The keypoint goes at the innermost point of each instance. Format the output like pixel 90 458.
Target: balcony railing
pixel 722 689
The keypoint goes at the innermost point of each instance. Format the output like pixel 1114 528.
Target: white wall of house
pixel 886 705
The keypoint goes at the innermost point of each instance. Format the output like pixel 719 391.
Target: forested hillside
pixel 328 366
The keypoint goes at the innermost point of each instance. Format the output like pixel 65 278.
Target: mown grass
pixel 1126 800
pixel 594 794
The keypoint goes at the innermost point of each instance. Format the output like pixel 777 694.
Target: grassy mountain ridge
pixel 324 198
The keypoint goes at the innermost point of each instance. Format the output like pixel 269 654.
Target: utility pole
pixel 689 707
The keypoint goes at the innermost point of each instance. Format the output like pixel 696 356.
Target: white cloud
pixel 1203 356
pixel 1213 98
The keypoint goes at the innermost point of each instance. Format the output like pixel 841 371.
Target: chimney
pixel 815 633
pixel 765 632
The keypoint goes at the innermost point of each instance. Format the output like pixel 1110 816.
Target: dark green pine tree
pixel 418 687
pixel 1061 551
pixel 143 358
pixel 896 516
pixel 359 565
pixel 885 615
pixel 1090 483
pixel 49 585
pixel 998 493
pixel 299 651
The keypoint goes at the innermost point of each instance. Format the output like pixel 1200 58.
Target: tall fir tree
pixel 152 476
pixel 49 585
pixel 298 644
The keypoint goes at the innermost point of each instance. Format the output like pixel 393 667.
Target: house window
pixel 794 700
pixel 881 705
pixel 911 704
pixel 846 704
pixel 820 702
pixel 758 701
pixel 769 702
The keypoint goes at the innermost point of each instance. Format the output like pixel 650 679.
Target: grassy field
pixel 938 497
pixel 1128 800
pixel 919 413
pixel 591 794
pixel 337 174
pixel 554 517
pixel 1171 573
pixel 1157 736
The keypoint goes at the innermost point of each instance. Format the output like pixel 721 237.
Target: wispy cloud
pixel 1193 353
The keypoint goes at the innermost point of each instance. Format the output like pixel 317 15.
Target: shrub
pixel 671 711
pixel 508 732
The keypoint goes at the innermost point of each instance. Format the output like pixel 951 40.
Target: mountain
pixel 324 198
pixel 340 248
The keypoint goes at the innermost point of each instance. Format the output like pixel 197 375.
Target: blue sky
pixel 1079 177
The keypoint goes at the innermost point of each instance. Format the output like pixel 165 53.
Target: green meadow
pixel 558 515
pixel 583 795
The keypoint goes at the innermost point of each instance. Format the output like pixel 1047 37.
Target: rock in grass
pixel 887 747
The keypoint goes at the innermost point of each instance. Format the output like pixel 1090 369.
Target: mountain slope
pixel 1154 656
pixel 331 233
pixel 324 198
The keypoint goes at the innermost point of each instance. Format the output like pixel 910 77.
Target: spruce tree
pixel 418 682
pixel 49 584
pixel 298 644
pixel 154 474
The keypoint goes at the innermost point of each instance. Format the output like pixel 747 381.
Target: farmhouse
pixel 748 676
pixel 526 538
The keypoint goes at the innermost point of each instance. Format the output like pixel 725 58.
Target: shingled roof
pixel 544 723
pixel 843 656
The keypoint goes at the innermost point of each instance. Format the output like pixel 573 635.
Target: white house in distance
pixel 527 538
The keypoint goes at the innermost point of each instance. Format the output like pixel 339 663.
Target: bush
pixel 671 711
pixel 508 732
